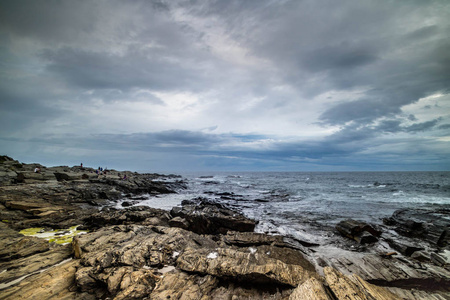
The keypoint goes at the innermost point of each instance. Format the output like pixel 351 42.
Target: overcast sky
pixel 305 85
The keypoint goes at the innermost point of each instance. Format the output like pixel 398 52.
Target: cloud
pixel 338 58
pixel 229 83
pixel 138 69
pixel 422 126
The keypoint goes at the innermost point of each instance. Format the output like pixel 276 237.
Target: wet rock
pixel 210 218
pixel 126 204
pixel 361 232
pixel 421 256
pixel 430 225
pixel 438 259
pixel 402 246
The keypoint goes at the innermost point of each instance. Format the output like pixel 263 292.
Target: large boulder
pixel 249 266
pixel 211 218
pixel 359 231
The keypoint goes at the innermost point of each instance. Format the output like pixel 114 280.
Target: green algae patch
pixel 31 231
pixel 58 236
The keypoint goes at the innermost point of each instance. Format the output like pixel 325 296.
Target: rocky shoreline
pixel 201 250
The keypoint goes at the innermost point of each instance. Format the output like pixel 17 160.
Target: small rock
pixel 388 254
pixel 361 232
pixel 438 259
pixel 126 204
pixel 179 222
pixel 421 256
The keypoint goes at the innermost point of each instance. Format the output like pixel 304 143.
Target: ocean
pixel 307 205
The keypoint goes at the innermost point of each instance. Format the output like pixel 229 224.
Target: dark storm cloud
pixel 48 20
pixel 361 111
pixel 424 126
pixel 339 58
pixel 92 70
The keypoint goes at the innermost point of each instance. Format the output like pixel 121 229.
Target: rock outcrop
pixel 361 232
pixel 430 225
pixel 201 250
pixel 204 217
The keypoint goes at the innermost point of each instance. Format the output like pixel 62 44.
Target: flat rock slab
pixel 56 283
pixel 211 218
pixel 312 289
pixel 242 266
pixel 27 265
pixel 354 288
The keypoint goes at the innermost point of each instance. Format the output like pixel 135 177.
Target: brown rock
pixel 33 263
pixel 24 205
pixel 212 218
pixel 21 246
pixel 181 286
pixel 179 222
pixel 242 266
pixel 55 283
pixel 312 289
pixel 361 232
pixel 354 288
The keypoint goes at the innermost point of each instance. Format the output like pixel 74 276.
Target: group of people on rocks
pixel 100 171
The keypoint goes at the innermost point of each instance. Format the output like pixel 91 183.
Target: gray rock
pixel 359 231
pixel 438 259
pixel 421 256
pixel 212 218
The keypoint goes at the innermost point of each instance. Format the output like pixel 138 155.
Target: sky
pixel 174 86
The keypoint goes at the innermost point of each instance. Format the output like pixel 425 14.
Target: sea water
pixel 304 204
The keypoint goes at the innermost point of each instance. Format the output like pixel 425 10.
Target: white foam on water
pixel 166 201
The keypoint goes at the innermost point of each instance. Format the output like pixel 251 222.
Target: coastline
pixel 196 251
